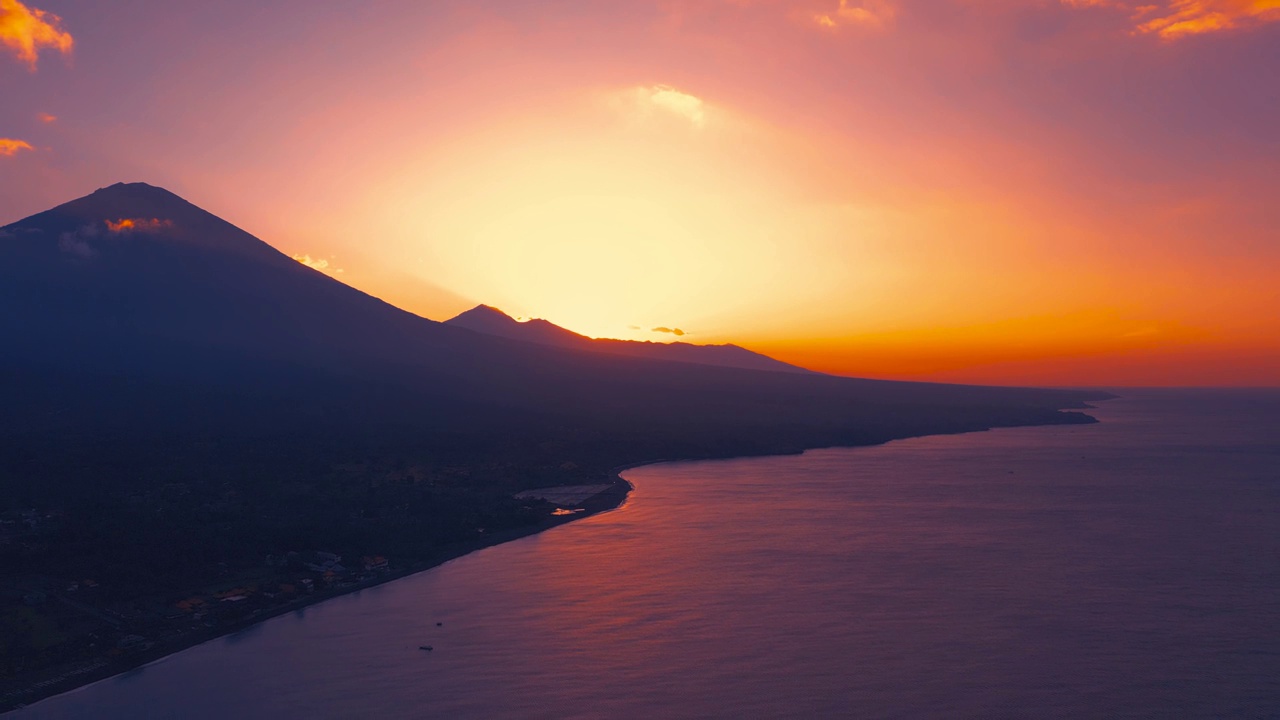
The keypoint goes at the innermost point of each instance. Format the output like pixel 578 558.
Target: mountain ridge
pixel 187 297
pixel 492 321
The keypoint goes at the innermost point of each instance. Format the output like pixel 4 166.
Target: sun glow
pixel 867 186
pixel 625 224
pixel 732 233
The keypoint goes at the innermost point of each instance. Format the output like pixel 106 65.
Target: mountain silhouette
pixel 181 400
pixel 492 321
pixel 131 271
pixel 132 313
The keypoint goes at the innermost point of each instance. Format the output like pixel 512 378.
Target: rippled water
pixel 1130 568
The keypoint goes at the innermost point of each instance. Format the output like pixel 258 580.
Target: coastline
pixel 611 499
pixel 70 680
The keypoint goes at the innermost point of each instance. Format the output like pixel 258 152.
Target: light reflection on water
pixel 1127 568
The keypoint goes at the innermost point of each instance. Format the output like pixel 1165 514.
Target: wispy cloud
pixel 10 147
pixel 26 31
pixel 1168 19
pixel 670 331
pixel 876 14
pixel 683 104
pixel 87 242
pixel 46 118
pixel 76 244
pixel 1174 19
pixel 647 100
pixel 318 264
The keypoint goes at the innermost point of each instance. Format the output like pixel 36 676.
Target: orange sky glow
pixel 1049 192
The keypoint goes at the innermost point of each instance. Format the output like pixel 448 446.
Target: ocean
pixel 1125 569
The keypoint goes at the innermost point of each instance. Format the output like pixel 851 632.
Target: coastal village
pixel 73 626
pixel 57 631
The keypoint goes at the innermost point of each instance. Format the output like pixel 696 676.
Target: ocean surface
pixel 1125 569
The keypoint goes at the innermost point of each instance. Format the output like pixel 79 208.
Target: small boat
pixel 425 647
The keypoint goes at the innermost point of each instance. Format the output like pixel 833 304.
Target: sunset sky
pixel 1060 192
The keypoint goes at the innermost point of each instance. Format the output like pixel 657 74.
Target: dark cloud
pixel 76 244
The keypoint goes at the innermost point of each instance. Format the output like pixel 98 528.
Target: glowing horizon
pixel 1056 192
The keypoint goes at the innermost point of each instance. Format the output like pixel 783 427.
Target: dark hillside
pixel 181 401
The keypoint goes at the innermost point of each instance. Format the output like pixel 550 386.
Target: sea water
pixel 1125 569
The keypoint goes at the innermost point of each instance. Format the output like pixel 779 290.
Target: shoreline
pixel 71 680
pixel 608 500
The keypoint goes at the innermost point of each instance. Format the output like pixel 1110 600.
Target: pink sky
pixel 1020 191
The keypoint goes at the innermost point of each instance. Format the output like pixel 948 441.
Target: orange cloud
pixel 9 146
pixel 25 31
pixel 46 118
pixel 1193 17
pixel 875 14
pixel 130 225
pixel 1173 19
pixel 318 264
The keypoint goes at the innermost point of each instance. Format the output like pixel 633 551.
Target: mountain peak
pixel 136 198
pixel 483 310
pixel 140 211
pixel 124 201
pixel 133 187
pixel 490 320
pixel 124 194
pixel 484 318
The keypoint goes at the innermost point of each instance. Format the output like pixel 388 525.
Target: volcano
pixel 133 310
